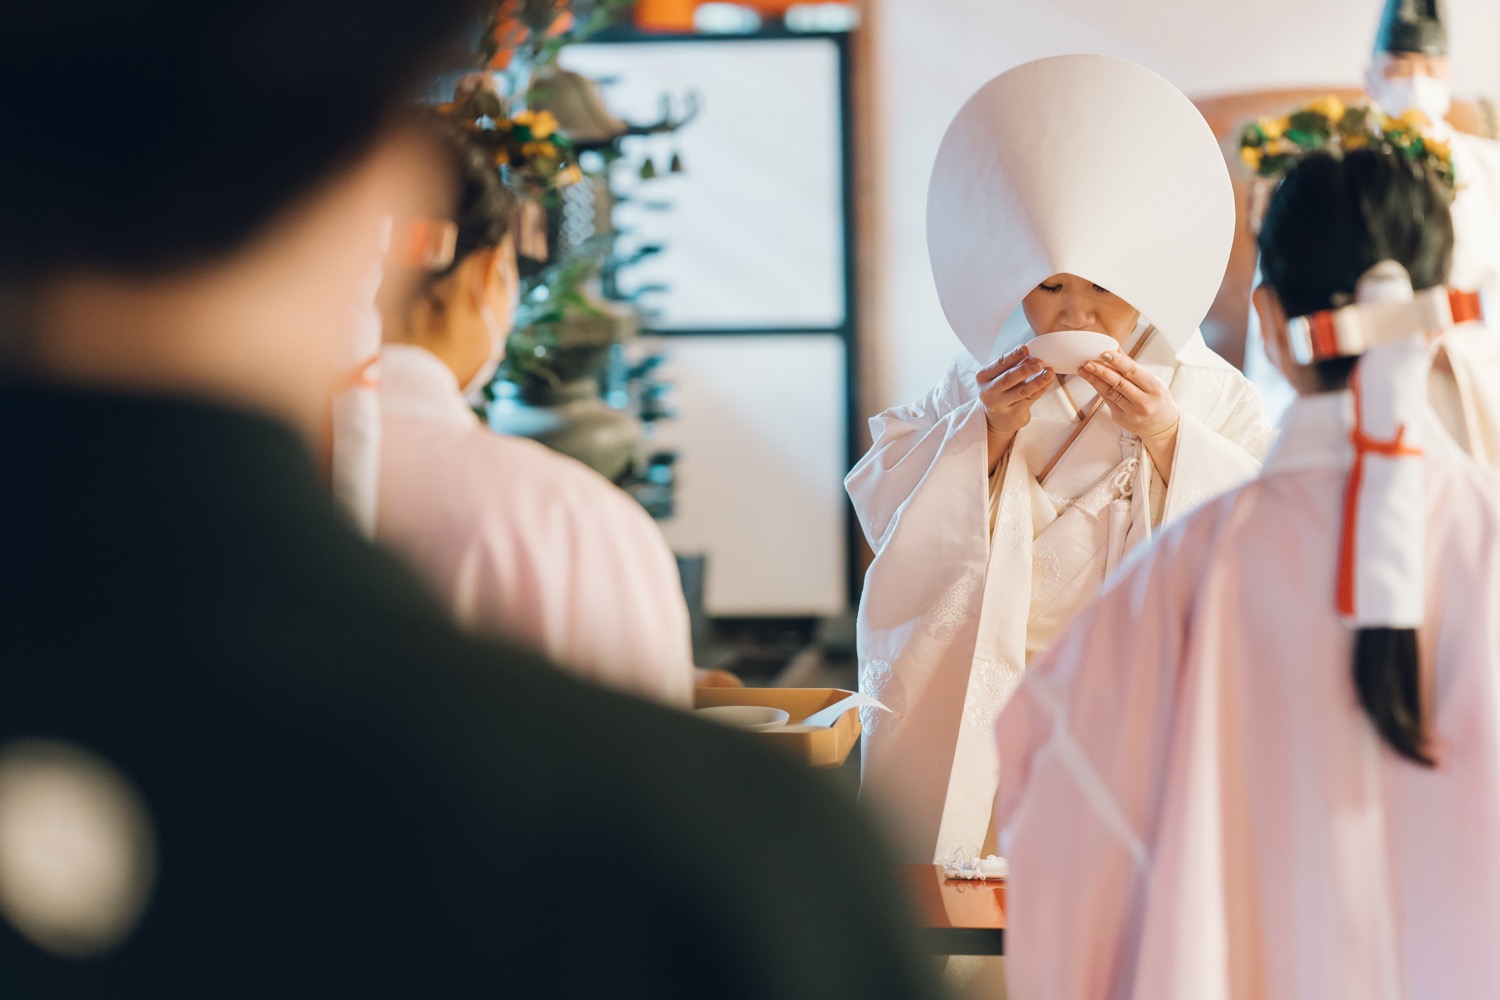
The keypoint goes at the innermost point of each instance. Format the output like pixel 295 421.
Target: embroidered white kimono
pixel 526 543
pixel 949 617
pixel 1194 805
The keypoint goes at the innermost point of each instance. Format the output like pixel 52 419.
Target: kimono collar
pixel 415 383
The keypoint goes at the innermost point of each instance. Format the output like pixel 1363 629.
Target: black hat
pixel 1413 26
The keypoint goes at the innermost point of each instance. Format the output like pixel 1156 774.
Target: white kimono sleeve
pixel 1215 452
pixel 907 442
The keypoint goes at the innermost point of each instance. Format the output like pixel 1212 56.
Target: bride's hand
pixel 1007 396
pixel 1139 401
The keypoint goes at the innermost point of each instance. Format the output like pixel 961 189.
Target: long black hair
pixel 1330 220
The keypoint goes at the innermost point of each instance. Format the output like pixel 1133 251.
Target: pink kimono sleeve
pixel 1084 748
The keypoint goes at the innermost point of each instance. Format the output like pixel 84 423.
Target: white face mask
pixel 1417 92
pixel 486 371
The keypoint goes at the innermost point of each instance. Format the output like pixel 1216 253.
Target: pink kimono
pixel 523 542
pixel 1194 805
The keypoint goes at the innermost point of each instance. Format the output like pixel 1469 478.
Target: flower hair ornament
pixel 1271 146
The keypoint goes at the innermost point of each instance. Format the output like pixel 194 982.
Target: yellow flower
pixel 1329 107
pixel 1356 140
pixel 1414 119
pixel 1251 155
pixel 1279 147
pixel 543 123
pixel 1440 149
pixel 571 175
pixel 540 150
pixel 1271 128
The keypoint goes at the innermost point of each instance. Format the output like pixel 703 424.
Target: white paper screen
pixel 754 237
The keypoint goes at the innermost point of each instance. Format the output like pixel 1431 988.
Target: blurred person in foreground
pixel 1266 761
pixel 242 753
pixel 519 541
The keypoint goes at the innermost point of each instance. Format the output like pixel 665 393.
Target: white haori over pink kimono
pixel 1193 803
pixel 525 543
pixel 974 574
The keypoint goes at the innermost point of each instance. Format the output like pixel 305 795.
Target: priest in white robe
pixel 997 505
pixel 1266 762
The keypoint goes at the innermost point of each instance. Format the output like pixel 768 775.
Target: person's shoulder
pixel 538 463
pixel 484 464
pixel 1204 376
pixel 1479 145
pixel 958 381
pixel 1196 354
pixel 1457 477
pixel 562 481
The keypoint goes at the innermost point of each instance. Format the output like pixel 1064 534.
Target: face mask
pixel 1417 92
pixel 487 370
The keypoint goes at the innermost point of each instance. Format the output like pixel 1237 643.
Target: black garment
pixel 1412 26
pixel 353 799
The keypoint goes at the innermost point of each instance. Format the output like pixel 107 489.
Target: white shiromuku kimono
pixel 973 574
pixel 525 543
pixel 1212 815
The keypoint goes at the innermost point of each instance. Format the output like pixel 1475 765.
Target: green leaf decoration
pixel 1307 139
pixel 1309 122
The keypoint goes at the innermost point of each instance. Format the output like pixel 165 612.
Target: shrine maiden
pixel 998 504
pixel 1410 72
pixel 518 540
pixel 1266 762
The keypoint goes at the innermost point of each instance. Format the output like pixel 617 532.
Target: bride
pixel 1078 193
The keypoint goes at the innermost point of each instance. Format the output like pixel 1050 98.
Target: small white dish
pixel 751 718
pixel 1066 350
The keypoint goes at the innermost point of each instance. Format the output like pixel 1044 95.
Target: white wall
pixel 760 470
pixel 927 56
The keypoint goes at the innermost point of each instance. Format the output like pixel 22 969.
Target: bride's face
pixel 1068 302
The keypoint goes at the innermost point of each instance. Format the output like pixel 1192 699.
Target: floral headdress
pixel 526 145
pixel 1270 146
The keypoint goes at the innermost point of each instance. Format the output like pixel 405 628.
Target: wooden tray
pixel 824 748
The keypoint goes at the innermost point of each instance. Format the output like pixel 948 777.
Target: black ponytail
pixel 1330 220
pixel 1387 677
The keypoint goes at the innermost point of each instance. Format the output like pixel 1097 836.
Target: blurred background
pixel 745 255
